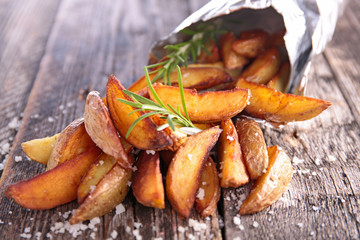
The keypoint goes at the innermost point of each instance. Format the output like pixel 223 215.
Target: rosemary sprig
pixel 173 116
pixel 179 54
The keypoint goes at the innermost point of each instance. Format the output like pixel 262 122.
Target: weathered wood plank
pixel 325 184
pixel 23 39
pixel 343 56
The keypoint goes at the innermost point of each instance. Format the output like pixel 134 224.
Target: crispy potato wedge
pixel 54 187
pixel 270 186
pixel 185 170
pixel 274 106
pixel 39 150
pixel 199 78
pixel 147 184
pixel 253 146
pixel 205 107
pixel 234 73
pixel 127 146
pixel 214 55
pixel 231 161
pixel 93 176
pixel 231 59
pixel 250 43
pixel 102 131
pixel 209 190
pixel 144 135
pixel 109 192
pixel 72 141
pixel 281 79
pixel 263 68
pixel 165 157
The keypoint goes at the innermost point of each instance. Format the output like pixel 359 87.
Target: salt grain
pixel 38 235
pixel 92 188
pixel 25 235
pixel 317 161
pixel 18 158
pixel 14 123
pixel 114 234
pixel 101 162
pixel 190 156
pixel 255 224
pixel 297 160
pixel 315 208
pixel 27 230
pixel 181 229
pixel 236 220
pixel 120 209
pixel 201 193
pixel 230 138
pixel 152 152
pixel 300 225
pixel 197 226
pixel 50 119
pixel 331 158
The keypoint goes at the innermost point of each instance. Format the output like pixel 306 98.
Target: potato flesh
pixel 199 78
pixel 184 173
pixel 102 131
pixel 270 186
pixel 231 59
pixel 250 43
pixel 109 192
pixel 263 68
pixel 206 107
pixel 39 150
pixel 72 141
pixel 93 176
pixel 54 187
pixel 232 168
pixel 147 184
pixel 274 106
pixel 206 205
pixel 253 146
pixel 281 79
pixel 144 135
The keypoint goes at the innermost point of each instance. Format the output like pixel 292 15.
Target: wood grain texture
pixel 23 40
pixel 90 40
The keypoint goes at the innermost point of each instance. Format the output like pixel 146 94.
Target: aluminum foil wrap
pixel 309 25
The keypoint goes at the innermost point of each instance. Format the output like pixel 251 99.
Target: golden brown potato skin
pixel 39 150
pixel 96 172
pixel 102 131
pixel 270 186
pixel 274 106
pixel 253 146
pixel 231 161
pixel 109 192
pixel 250 43
pixel 209 183
pixel 72 141
pixel 212 48
pixel 264 67
pixel 144 135
pixel 281 79
pixel 184 173
pixel 147 183
pixel 231 59
pixel 199 78
pixel 54 187
pixel 205 107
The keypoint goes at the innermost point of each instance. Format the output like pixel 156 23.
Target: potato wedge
pixel 96 172
pixel 276 39
pixel 281 79
pixel 54 187
pixel 102 131
pixel 109 192
pixel 144 135
pixel 193 77
pixel 270 186
pixel 250 43
pixel 147 185
pixel 205 107
pixel 72 141
pixel 263 68
pixel 274 106
pixel 165 157
pixel 253 147
pixel 214 55
pixel 231 161
pixel 231 59
pixel 39 150
pixel 234 73
pixel 185 170
pixel 209 191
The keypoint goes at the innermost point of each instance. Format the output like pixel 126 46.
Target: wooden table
pixel 53 52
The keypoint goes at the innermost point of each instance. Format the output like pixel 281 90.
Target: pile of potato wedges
pixel 93 161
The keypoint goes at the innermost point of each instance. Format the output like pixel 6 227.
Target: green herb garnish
pixel 173 116
pixel 180 53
